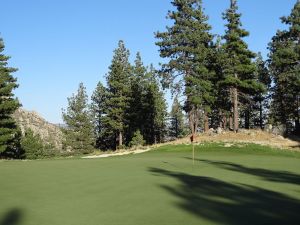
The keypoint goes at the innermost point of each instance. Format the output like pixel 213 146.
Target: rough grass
pixel 235 185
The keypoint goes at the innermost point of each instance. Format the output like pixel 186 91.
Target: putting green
pixel 232 186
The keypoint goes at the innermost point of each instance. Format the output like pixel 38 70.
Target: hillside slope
pixel 247 136
pixel 49 132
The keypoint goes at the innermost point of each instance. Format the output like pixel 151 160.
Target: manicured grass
pixel 232 186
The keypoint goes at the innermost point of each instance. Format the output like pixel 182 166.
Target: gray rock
pixel 219 130
pixel 279 130
pixel 49 133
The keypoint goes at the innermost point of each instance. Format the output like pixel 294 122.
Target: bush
pixel 34 148
pixel 137 140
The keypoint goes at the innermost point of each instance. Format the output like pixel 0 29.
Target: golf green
pixel 232 186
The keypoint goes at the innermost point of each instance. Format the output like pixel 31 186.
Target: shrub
pixel 33 146
pixel 137 140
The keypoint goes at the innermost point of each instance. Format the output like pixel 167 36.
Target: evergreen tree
pixel 77 117
pixel 137 140
pixel 9 132
pixel 147 108
pixel 32 145
pixel 239 70
pixel 118 80
pixel 222 106
pixel 133 102
pixel 285 70
pixel 137 109
pixel 104 138
pixel 187 45
pixel 155 112
pixel 261 97
pixel 176 128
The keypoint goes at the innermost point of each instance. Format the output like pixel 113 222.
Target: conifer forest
pixel 197 125
pixel 216 82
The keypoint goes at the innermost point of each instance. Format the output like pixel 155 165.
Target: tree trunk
pixel 120 139
pixel 231 111
pixel 206 125
pixel 297 125
pixel 235 110
pixel 224 122
pixel 261 115
pixel 297 117
pixel 176 127
pixel 221 121
pixel 193 120
pixel 230 122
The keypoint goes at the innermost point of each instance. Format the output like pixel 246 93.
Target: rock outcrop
pixel 49 133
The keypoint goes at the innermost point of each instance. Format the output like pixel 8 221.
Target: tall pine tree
pixel 77 117
pixel 285 70
pixel 261 98
pixel 104 137
pixel 9 132
pixel 142 111
pixel 155 113
pixel 222 106
pixel 239 69
pixel 187 46
pixel 176 128
pixel 137 109
pixel 118 81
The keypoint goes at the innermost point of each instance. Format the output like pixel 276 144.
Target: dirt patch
pixel 247 136
pixel 119 153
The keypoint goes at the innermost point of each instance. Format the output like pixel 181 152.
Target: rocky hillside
pixel 49 133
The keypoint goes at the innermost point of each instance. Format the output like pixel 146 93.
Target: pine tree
pixel 147 107
pixel 118 81
pixel 222 107
pixel 32 145
pixel 160 112
pixel 77 117
pixel 136 110
pixel 137 106
pixel 239 70
pixel 187 45
pixel 176 128
pixel 261 97
pixel 9 132
pixel 104 138
pixel 155 112
pixel 285 70
pixel 137 140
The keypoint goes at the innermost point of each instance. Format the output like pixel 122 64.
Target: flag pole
pixel 192 141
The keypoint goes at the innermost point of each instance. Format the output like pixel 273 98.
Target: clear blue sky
pixel 58 43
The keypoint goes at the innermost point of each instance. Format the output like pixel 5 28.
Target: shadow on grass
pixel 231 204
pixel 13 217
pixel 269 175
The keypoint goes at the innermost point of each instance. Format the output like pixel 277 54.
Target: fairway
pixel 231 186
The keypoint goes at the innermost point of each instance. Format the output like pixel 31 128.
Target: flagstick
pixel 192 141
pixel 193 154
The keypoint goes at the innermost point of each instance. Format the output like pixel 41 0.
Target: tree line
pixel 131 105
pixel 223 83
pixel 216 80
